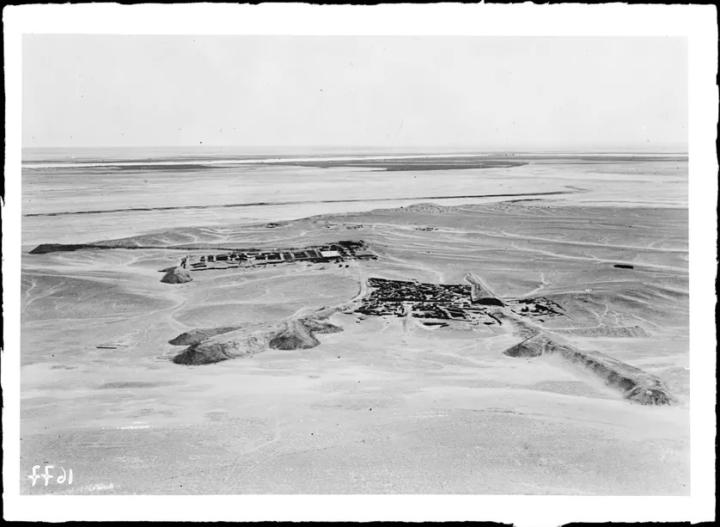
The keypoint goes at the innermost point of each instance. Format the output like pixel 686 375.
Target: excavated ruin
pixel 440 303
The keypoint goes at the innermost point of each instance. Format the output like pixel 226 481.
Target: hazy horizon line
pixel 627 149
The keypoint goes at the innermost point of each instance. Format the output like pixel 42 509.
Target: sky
pixel 484 93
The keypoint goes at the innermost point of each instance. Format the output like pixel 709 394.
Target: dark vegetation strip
pixel 270 203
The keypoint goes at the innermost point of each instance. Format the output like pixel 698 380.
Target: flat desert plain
pixel 388 404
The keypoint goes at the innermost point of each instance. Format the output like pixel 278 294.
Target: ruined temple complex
pixel 337 252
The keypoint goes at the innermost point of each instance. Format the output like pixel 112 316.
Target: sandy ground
pixel 385 406
pixel 299 192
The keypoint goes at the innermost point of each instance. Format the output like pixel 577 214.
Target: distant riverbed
pixel 127 198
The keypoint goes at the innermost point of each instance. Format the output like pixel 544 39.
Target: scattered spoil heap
pixel 196 336
pixel 206 346
pixel 176 275
pixel 636 384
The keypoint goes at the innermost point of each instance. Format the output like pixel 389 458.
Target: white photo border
pixel 696 23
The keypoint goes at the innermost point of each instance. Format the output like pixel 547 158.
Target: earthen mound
pixel 320 326
pixel 521 350
pixel 177 275
pixel 636 384
pixel 196 336
pixel 223 347
pixel 654 395
pixel 295 335
pixel 217 344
